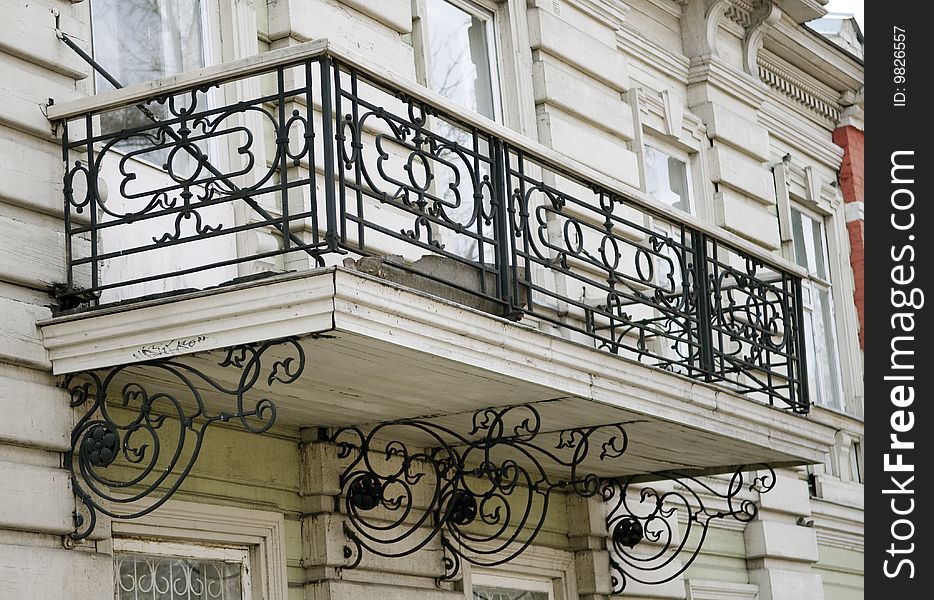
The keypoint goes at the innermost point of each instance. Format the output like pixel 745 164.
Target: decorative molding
pixel 612 14
pixel 215 524
pixel 700 589
pixel 853 109
pixel 761 20
pixel 714 11
pixel 654 55
pixel 691 124
pixel 798 89
pixel 741 12
pixel 721 75
pixel 799 134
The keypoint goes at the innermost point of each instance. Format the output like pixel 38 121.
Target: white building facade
pixel 428 299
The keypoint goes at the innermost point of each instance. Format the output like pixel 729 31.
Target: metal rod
pixel 185 145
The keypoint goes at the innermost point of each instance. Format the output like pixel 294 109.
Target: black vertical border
pixel 892 128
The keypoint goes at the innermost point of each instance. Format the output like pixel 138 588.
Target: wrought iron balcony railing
pixel 304 157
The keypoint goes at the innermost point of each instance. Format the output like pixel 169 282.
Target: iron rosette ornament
pixel 484 495
pixel 655 535
pixel 139 437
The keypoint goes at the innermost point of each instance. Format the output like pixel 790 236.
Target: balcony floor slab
pixel 378 351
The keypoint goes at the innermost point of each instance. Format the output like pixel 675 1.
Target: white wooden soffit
pixel 374 311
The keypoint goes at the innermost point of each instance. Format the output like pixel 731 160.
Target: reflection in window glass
pixel 461 57
pixel 667 179
pixel 824 379
pixel 153 577
pixel 143 40
pixel 482 592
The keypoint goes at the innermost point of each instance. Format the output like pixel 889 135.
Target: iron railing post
pixel 332 235
pixel 501 230
pixel 704 325
pixel 67 191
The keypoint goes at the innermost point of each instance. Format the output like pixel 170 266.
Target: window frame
pixel 211 37
pixel 813 284
pixel 536 563
pixel 512 581
pixel 653 143
pixel 187 550
pixel 197 523
pixel 513 61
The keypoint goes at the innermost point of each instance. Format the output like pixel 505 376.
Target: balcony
pixel 298 238
pixel 305 158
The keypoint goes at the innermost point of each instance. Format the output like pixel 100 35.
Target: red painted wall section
pixel 851 140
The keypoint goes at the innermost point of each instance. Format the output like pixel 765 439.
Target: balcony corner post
pixel 330 156
pixel 505 268
pixel 704 309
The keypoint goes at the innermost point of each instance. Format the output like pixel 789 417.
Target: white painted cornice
pixel 763 16
pixel 652 54
pixel 823 101
pixel 801 134
pixel 726 78
pixel 610 13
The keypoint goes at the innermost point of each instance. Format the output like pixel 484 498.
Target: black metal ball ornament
pixel 100 445
pixel 628 532
pixel 462 508
pixel 365 493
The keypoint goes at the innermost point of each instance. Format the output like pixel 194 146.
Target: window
pixel 143 40
pixel 810 250
pixel 501 587
pixel 148 570
pixel 460 54
pixel 666 179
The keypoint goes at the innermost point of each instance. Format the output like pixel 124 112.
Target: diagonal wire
pixel 187 146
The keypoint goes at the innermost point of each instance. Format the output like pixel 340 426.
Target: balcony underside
pixel 377 351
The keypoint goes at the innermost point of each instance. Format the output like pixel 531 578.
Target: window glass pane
pixel 667 179
pixel 153 577
pixel 817 236
pixel 143 40
pixel 832 366
pixel 461 57
pixel 482 592
pixel 811 354
pixel 797 233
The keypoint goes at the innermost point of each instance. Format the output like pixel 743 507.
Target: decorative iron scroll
pixel 135 445
pixel 484 494
pixel 651 516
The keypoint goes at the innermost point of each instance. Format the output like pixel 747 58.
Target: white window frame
pixel 812 284
pixel 526 584
pixel 678 154
pixel 211 37
pixel 195 523
pixel 500 45
pixel 227 554
pixel 537 565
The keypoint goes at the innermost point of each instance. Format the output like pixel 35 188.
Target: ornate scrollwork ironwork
pixel 483 495
pixel 528 236
pixel 134 446
pixel 645 543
